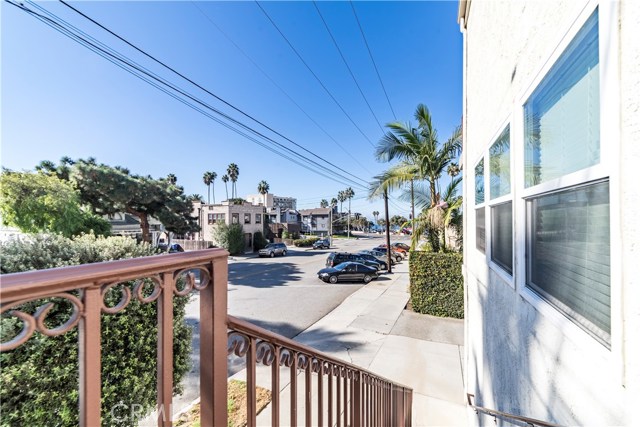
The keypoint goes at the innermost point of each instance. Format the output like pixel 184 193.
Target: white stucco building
pixel 552 209
pixel 250 216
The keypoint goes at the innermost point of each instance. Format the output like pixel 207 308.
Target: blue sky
pixel 60 99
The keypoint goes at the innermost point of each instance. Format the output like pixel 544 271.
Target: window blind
pixel 568 254
pixel 502 236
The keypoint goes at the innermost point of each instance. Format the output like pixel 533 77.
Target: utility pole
pixel 330 224
pixel 386 214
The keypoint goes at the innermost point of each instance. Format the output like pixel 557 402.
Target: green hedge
pixel 436 284
pixel 301 243
pixel 39 380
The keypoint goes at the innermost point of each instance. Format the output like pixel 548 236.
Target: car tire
pixel 398 258
pixel 384 266
pixel 333 279
pixel 284 253
pixel 366 278
pixel 272 254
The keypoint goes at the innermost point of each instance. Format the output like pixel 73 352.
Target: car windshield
pixel 270 245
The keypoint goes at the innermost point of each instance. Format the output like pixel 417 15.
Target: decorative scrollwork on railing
pixel 190 282
pixel 36 321
pixel 238 343
pixel 125 293
pixel 265 353
pixel 286 357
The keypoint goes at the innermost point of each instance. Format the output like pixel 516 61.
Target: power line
pixel 372 60
pixel 314 74
pixel 140 72
pixel 278 86
pixel 203 89
pixel 335 43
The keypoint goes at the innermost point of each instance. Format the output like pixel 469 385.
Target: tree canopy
pixel 42 202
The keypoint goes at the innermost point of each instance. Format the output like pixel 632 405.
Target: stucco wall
pixel 519 359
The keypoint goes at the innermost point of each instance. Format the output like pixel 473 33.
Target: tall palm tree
pixel 334 202
pixel 172 179
pixel 341 198
pixel 207 178
pixel 453 170
pixel 263 188
pixel 233 171
pixel 195 198
pixel 225 179
pixel 349 193
pixel 375 215
pixel 324 203
pixel 422 156
pixel 213 185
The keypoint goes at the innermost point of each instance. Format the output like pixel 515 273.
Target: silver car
pixel 273 249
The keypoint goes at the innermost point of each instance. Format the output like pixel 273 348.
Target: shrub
pixel 230 237
pixel 259 241
pixel 285 234
pixel 301 243
pixel 39 379
pixel 436 284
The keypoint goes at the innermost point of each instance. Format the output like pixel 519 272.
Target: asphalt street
pixel 281 294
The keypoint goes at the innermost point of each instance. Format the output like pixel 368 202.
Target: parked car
pixel 382 263
pixel 400 245
pixel 322 244
pixel 336 258
pixel 273 249
pixel 348 271
pixel 174 248
pixel 380 256
pixel 396 255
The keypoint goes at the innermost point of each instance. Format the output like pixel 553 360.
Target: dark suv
pixel 336 258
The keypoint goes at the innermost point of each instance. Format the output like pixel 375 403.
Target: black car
pixel 372 258
pixel 348 272
pixel 322 244
pixel 336 258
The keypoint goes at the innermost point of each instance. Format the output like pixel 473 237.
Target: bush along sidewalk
pixel 436 284
pixel 39 379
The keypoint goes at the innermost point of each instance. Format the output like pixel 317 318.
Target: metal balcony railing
pixel 335 393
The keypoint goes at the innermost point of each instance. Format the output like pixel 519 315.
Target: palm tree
pixel 341 198
pixel 324 203
pixel 233 171
pixel 423 158
pixel 453 170
pixel 263 188
pixel 207 178
pixel 375 215
pixel 172 179
pixel 225 179
pixel 213 185
pixel 195 198
pixel 334 202
pixel 348 193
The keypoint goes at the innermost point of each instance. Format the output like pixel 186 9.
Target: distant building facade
pixel 250 216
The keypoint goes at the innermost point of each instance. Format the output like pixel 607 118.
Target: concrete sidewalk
pixel 371 329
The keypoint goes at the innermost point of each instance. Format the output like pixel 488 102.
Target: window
pixel 214 218
pixel 480 182
pixel 501 210
pixel 247 218
pixel 258 218
pixel 235 218
pixel 480 230
pixel 500 167
pixel 567 249
pixel 479 190
pixel 562 115
pixel 502 236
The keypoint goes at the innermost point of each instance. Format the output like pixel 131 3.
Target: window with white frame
pixel 479 198
pixel 567 214
pixel 247 218
pixel 501 210
pixel 258 218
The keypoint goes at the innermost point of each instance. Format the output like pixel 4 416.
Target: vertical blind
pixel 502 236
pixel 568 254
pixel 562 116
pixel 480 230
